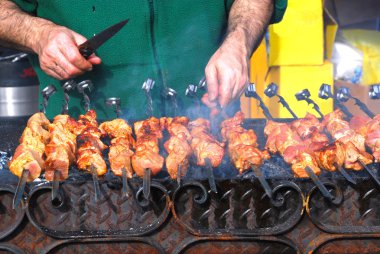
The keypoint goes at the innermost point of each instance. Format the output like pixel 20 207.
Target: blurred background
pixel 336 42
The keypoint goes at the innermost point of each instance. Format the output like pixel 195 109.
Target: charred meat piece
pixel 286 142
pixel 122 143
pixel 178 145
pixel 31 151
pixel 242 144
pixel 90 147
pixel 204 144
pixel 147 156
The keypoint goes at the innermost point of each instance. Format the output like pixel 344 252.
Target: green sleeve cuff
pixel 279 10
pixel 29 6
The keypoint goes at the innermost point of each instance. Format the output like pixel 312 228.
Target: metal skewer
pixel 250 92
pixel 171 95
pixel 55 185
pixel 67 87
pixel 325 93
pixel 371 173
pixel 271 91
pixel 304 95
pixel 147 87
pixel 343 95
pixel 95 179
pixel 20 188
pixel 210 175
pixel 116 103
pixel 46 93
pixel 147 179
pixel 179 176
pixel 345 174
pixel 82 87
pixel 322 188
pixel 125 187
pixel 191 92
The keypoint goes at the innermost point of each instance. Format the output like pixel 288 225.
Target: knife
pixel 89 47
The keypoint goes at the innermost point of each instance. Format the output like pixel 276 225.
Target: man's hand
pixel 56 46
pixel 227 72
pixel 58 53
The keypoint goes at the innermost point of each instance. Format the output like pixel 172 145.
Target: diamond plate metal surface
pixel 239 208
pixel 80 216
pixel 359 211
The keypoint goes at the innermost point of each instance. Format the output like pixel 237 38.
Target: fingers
pixel 211 74
pixel 59 55
pixel 227 83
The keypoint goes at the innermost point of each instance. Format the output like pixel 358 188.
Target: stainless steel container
pixel 18 88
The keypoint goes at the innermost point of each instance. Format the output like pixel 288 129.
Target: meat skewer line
pixel 28 160
pixel 242 147
pixel 304 95
pixel 46 93
pixel 90 147
pixel 178 146
pixel 120 151
pixel 341 131
pixel 208 151
pixel 147 161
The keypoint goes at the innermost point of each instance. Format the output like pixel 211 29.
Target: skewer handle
pixel 20 188
pixel 344 109
pixel 286 105
pixel 363 107
pixel 147 183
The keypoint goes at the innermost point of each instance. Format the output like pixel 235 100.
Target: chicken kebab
pixel 121 148
pixel 208 150
pixel 147 160
pixel 90 148
pixel 178 146
pixel 370 130
pixel 28 161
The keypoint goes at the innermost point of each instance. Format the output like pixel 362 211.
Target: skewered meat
pixel 306 127
pixel 204 144
pixel 90 147
pixel 29 154
pixel 147 156
pixel 242 144
pixel 354 143
pixel 178 145
pixel 370 129
pixel 60 152
pixel 283 140
pixel 122 143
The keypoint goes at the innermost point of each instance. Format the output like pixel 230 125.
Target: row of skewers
pixel 72 140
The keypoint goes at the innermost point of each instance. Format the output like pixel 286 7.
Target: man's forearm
pixel 19 30
pixel 248 20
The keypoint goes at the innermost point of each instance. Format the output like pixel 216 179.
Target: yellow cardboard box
pixel 305 36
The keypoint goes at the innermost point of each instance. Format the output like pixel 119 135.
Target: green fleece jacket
pixel 168 41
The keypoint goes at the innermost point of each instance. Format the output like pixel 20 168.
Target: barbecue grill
pixel 188 217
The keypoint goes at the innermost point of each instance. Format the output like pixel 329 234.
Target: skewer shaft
pixel 210 176
pixel 345 174
pixel 370 172
pixel 179 175
pixel 55 189
pixel 364 108
pixel 147 183
pixel 125 182
pixel 96 182
pixel 344 109
pixel 286 105
pixel 20 188
pixel 325 192
pixel 262 181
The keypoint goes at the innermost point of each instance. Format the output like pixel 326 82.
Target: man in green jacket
pixel 174 42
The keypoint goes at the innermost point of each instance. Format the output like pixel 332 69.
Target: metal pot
pixel 18 87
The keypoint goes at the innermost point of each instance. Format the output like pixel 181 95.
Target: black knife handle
pixel 85 51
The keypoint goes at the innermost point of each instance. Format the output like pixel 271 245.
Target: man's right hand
pixel 59 56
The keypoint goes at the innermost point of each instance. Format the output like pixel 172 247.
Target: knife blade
pixel 87 48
